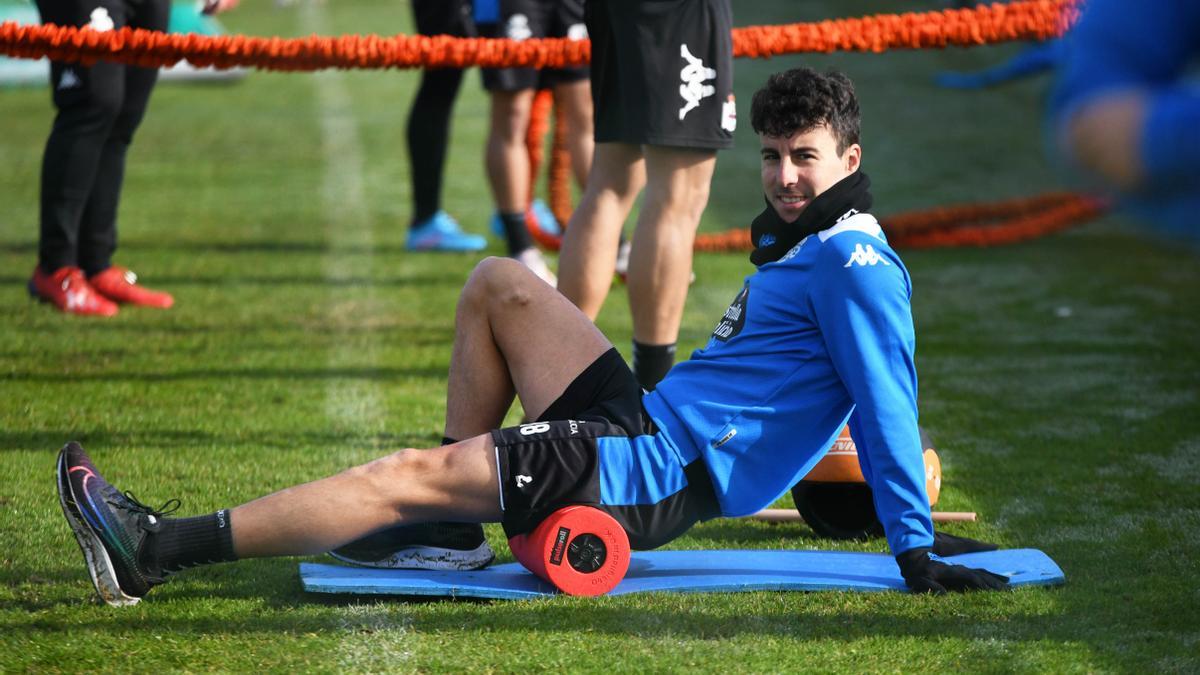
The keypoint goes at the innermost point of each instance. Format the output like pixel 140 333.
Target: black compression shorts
pixel 662 72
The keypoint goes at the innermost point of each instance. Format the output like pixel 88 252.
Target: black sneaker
pixel 111 528
pixel 428 546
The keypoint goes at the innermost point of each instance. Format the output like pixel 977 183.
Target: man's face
pixel 799 167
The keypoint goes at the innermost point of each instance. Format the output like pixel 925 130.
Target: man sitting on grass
pixel 820 333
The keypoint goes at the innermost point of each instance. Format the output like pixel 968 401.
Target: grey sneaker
pixel 428 546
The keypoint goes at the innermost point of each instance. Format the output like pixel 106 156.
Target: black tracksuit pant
pixel 99 108
pixel 428 130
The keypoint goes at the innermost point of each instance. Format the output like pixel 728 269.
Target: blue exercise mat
pixel 682 572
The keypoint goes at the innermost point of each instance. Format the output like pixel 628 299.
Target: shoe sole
pixel 139 303
pixel 429 558
pixel 99 565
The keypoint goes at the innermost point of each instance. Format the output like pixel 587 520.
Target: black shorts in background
pixel 662 72
pixel 444 17
pixel 524 19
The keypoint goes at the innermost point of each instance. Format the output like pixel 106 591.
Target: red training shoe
pixel 120 285
pixel 68 290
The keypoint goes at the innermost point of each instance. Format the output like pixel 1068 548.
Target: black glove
pixel 948 544
pixel 924 573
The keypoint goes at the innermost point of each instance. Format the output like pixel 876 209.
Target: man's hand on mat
pixel 948 544
pixel 924 573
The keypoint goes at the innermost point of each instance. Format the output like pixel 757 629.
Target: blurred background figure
pixel 662 85
pixel 1125 113
pixel 1033 60
pixel 83 167
pixel 428 133
pixel 512 91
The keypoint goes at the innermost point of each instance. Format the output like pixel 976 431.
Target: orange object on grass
pixel 840 465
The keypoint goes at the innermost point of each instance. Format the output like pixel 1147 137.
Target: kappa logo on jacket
pixel 865 255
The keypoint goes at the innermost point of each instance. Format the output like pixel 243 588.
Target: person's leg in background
pixel 428 134
pixel 508 170
pixel 588 257
pixel 677 129
pixel 575 97
pixel 507 159
pixel 98 227
pixel 572 89
pixel 589 251
pixel 99 109
pixel 677 185
pixel 88 100
pixel 660 261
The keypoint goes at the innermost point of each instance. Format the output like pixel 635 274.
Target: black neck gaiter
pixel 773 237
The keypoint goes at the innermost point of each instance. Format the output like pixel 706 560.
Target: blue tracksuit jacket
pixel 820 336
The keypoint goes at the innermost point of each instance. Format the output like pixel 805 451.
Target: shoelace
pixel 170 506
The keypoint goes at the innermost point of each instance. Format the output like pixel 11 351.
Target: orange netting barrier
pixel 559 177
pixel 1003 222
pixel 984 24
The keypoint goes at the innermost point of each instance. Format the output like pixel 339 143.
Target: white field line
pixel 370 640
pixel 377 639
pixel 350 402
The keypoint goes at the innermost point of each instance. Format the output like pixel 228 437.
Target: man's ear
pixel 852 158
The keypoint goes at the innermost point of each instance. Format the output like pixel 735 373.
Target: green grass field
pixel 1060 379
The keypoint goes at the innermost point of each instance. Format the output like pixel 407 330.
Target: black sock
pixel 651 363
pixel 516 232
pixel 187 542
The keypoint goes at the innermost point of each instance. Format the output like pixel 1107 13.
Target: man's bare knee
pixel 378 484
pixel 477 293
pixel 499 283
pixel 474 292
pixel 404 481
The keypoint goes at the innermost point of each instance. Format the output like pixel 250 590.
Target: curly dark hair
pixel 801 99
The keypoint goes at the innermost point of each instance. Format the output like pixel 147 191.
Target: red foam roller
pixel 579 549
